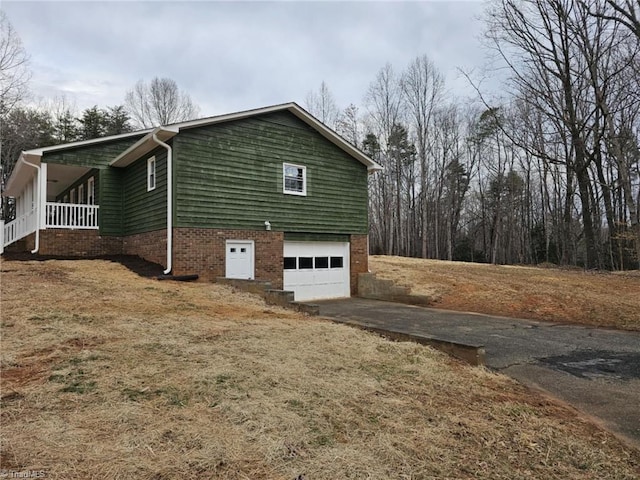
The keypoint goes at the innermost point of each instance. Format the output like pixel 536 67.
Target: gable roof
pixel 22 172
pixel 146 143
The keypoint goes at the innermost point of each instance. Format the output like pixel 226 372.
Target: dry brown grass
pixel 110 376
pixel 572 296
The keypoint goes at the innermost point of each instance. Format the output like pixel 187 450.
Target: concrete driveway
pixel 596 370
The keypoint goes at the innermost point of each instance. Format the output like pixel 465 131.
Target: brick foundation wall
pixel 195 250
pixel 202 251
pixel 359 253
pixel 25 244
pixel 152 246
pixel 75 243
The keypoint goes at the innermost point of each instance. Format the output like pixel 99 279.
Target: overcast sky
pixel 231 56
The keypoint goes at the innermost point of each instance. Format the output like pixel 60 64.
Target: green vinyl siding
pixel 145 211
pixel 109 180
pixel 94 156
pixel 229 175
pixel 126 207
pixel 110 212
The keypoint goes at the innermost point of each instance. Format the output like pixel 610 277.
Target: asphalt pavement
pixel 596 370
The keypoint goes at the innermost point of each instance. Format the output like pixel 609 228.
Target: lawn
pixel 108 375
pixel 601 299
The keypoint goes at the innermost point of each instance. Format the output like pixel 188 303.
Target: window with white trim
pixel 72 196
pixel 91 191
pixel 81 193
pixel 294 179
pixel 151 174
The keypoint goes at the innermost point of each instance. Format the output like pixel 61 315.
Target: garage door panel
pixel 316 270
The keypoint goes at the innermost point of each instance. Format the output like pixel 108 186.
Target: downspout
pixel 169 202
pixel 37 167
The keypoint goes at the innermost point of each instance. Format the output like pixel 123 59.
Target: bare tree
pixel 384 103
pixel 159 102
pixel 625 12
pixel 348 124
pixel 322 105
pixel 63 113
pixel 536 40
pixel 14 74
pixel 385 115
pixel 422 85
pixel 611 57
pixel 14 77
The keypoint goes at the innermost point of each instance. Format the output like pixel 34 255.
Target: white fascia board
pixel 83 143
pixel 144 146
pixel 21 173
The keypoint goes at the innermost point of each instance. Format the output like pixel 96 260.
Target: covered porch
pixel 49 196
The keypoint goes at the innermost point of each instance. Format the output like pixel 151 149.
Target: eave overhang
pixel 144 146
pixel 22 173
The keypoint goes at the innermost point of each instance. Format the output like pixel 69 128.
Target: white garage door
pixel 316 270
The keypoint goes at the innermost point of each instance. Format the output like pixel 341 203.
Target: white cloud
pixel 231 56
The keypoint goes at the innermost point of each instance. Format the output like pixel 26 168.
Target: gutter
pixel 169 201
pixel 37 167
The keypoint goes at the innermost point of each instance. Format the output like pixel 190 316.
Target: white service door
pixel 239 259
pixel 317 270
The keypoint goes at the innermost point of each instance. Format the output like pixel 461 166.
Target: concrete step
pixel 251 286
pixel 281 298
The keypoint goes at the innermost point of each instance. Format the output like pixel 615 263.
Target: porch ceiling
pixel 60 177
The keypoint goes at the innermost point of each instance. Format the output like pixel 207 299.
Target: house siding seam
pixel 203 251
pixel 359 259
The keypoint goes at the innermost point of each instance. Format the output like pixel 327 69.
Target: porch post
pixel 43 196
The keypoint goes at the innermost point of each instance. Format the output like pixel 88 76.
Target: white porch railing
pixel 71 215
pixel 57 215
pixel 20 228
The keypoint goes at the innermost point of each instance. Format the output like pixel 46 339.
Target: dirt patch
pixel 550 294
pixel 25 374
pixel 34 367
